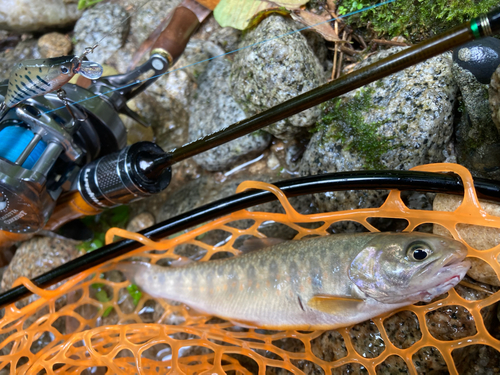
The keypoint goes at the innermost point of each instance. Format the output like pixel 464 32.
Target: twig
pixel 360 40
pixel 346 50
pixel 388 42
pixel 334 69
pixel 341 59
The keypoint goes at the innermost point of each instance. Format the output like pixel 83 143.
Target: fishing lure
pixel 36 77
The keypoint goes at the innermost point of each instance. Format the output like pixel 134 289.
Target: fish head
pixel 396 268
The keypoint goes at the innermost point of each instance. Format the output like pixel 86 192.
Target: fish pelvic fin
pixel 333 304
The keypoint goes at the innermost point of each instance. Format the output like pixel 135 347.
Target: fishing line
pixel 227 53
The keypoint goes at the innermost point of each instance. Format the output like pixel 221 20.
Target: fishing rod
pixel 340 181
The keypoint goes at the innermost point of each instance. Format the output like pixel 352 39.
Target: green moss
pixel 343 121
pixel 416 17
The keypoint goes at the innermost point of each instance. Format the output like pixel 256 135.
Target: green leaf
pixel 239 13
pixel 107 311
pixel 82 4
pixel 102 296
pixel 135 293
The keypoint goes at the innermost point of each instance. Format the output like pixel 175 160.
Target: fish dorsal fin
pixel 333 304
pixel 254 244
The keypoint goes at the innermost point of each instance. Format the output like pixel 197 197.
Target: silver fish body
pixel 318 283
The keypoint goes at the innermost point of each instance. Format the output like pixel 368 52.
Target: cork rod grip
pixel 176 35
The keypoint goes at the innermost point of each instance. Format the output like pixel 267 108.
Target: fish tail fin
pixel 132 270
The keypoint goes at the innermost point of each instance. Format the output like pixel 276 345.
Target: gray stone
pixel 106 24
pixel 477 137
pixel 165 103
pixel 269 73
pixel 480 57
pixel 37 256
pixel 148 16
pixel 36 15
pixel 494 97
pixel 24 50
pixel 140 222
pixel 212 109
pixel 398 122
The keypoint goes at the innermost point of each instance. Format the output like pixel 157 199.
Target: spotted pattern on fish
pixel 318 283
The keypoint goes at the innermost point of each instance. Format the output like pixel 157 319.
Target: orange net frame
pixel 70 329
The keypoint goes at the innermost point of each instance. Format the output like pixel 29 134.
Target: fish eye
pixel 418 251
pixel 64 70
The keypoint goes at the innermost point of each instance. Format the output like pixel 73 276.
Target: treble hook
pixel 61 94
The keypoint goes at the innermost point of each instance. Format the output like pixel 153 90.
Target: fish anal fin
pixel 333 304
pixel 244 323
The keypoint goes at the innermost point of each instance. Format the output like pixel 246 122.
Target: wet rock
pixel 267 74
pixel 37 256
pixel 478 139
pixel 26 49
pixel 106 24
pixel 34 15
pixel 494 97
pixel 478 237
pixel 227 38
pixel 148 16
pixel 213 108
pixel 480 359
pixel 480 57
pixel 54 45
pixel 140 222
pixel 398 122
pixel 165 103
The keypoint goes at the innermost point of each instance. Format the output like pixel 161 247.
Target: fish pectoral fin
pixel 333 304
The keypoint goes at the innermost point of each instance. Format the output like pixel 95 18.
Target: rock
pixel 478 140
pixel 37 256
pixel 227 38
pixel 54 45
pixel 479 237
pixel 266 74
pixel 165 103
pixel 34 15
pixel 148 16
pixel 24 50
pixel 480 57
pixel 140 222
pixel 33 258
pixel 213 108
pixel 494 94
pixel 106 24
pixel 398 122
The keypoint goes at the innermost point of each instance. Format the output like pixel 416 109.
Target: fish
pixel 31 78
pixel 319 283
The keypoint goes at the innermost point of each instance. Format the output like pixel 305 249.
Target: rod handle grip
pixel 173 40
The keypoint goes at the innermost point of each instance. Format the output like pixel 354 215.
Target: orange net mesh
pixel 72 330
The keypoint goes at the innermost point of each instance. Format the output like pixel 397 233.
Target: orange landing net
pixel 72 329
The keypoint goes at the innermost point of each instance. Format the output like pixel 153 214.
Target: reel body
pixel 56 144
pixel 42 151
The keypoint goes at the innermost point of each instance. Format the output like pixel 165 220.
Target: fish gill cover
pixel 72 329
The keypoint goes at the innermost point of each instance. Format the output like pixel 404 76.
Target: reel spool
pixel 42 151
